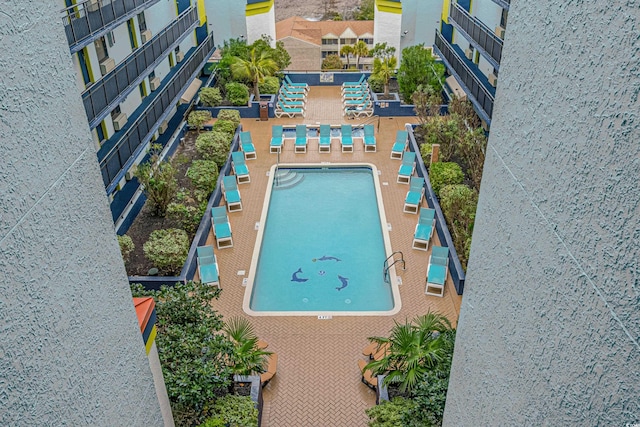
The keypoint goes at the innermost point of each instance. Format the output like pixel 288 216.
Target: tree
pixel 418 67
pixel 159 184
pixel 332 62
pixel 346 51
pixel 192 352
pixel 414 348
pixel 384 69
pixel 255 68
pixel 247 358
pixel 365 11
pixel 382 51
pixel 360 49
pixel 427 103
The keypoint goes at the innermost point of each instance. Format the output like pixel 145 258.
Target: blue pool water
pixel 322 248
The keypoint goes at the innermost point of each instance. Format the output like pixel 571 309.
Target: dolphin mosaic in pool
pixel 329 258
pixel 345 282
pixel 295 278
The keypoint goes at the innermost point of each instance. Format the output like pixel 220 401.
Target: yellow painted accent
pixel 476 59
pixel 258 8
pixel 87 62
pixel 389 6
pixel 145 92
pixel 152 338
pixel 132 28
pixel 172 61
pixel 103 125
pixel 202 13
pixel 446 5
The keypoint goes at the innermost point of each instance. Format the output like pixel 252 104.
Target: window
pixel 111 39
pixel 82 59
pixel 142 23
pixel 329 52
pixel 101 49
pixel 503 18
pixel 348 41
pixel 116 112
pixel 367 41
pixel 100 132
pixel 329 41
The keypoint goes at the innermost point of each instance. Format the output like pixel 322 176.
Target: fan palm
pixel 384 69
pixel 360 49
pixel 255 68
pixel 414 348
pixel 247 358
pixel 346 51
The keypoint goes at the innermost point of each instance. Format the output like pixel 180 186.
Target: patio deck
pixel 318 380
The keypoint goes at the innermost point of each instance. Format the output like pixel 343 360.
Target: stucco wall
pixel 71 351
pixel 550 322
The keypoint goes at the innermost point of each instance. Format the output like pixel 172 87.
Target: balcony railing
pixel 105 94
pixel 87 20
pixel 119 158
pixel 475 89
pixel 480 36
pixel 503 3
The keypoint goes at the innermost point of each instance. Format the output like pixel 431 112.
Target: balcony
pixel 478 34
pixel 105 94
pixel 503 3
pixel 88 20
pixel 474 83
pixel 118 153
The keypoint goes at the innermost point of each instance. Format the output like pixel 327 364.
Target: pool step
pixel 287 179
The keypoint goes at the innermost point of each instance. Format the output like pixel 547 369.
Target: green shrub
pixel 332 62
pixel 226 126
pixel 167 249
pixel 203 174
pixel 214 146
pixel 197 119
pixel 216 421
pixel 376 83
pixel 231 115
pixel 445 173
pixel 236 411
pixel 270 85
pixel 237 93
pixel 425 153
pixel 187 216
pixel 458 203
pixel 126 246
pixel 210 96
pixel 389 413
pixel 159 184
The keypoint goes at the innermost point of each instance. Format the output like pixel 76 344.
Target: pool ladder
pixel 387 266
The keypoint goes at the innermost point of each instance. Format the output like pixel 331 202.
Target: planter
pixel 251 111
pixel 255 393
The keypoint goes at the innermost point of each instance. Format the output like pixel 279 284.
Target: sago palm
pixel 256 68
pixel 414 348
pixel 247 358
pixel 384 69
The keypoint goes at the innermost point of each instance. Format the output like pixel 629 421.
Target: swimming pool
pixel 321 244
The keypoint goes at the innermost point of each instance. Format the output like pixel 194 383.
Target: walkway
pixel 318 381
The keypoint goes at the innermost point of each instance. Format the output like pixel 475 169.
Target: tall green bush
pixel 226 126
pixel 126 246
pixel 214 146
pixel 159 184
pixel 198 118
pixel 203 174
pixel 237 93
pixel 167 249
pixel 210 96
pixel 332 62
pixel 458 203
pixel 187 216
pixel 444 173
pixel 269 86
pixel 231 115
pixel 418 67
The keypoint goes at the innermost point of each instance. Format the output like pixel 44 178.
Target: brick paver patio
pixel 318 381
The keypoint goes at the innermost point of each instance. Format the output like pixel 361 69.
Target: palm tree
pixel 256 68
pixel 247 358
pixel 414 348
pixel 347 50
pixel 360 49
pixel 384 69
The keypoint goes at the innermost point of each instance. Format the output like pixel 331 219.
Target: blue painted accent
pixel 465 4
pixel 100 132
pixel 455 268
pixel 83 67
pixel 447 32
pixel 183 5
pixel 150 324
pixel 201 33
pixel 313 79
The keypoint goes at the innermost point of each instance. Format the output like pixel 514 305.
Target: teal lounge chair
pixel 351 84
pixel 365 109
pixel 208 266
pixel 324 143
pixel 284 95
pixel 346 138
pixel 351 96
pixel 240 168
pixel 369 138
pixel 301 139
pixel 293 104
pixel 414 196
pixel 359 88
pixel 399 145
pixel 290 83
pixel 437 271
pixel 221 227
pixel 247 147
pixel 293 89
pixel 275 145
pixel 291 112
pixel 357 102
pixel 407 167
pixel 231 193
pixel 424 229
